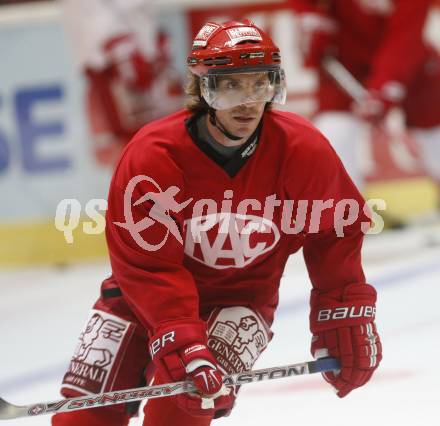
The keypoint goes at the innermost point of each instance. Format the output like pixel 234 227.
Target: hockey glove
pixel 342 323
pixel 179 351
pixel 375 105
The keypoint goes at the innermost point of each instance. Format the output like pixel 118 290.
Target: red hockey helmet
pixel 220 50
pixel 230 46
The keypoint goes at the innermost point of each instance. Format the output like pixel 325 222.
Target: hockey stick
pixel 344 79
pixel 11 411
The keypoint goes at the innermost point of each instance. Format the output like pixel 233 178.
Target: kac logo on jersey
pixel 229 240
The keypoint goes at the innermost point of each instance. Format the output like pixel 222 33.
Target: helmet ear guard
pixel 271 76
pixel 212 82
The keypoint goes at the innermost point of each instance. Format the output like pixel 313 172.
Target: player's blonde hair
pixel 194 101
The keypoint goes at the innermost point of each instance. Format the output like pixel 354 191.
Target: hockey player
pixel 382 44
pixel 198 302
pixel 123 55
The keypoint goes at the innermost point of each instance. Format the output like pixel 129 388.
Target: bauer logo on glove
pixel 346 312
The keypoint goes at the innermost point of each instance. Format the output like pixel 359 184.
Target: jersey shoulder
pixel 286 118
pixel 159 138
pixel 151 151
pixel 298 132
pixel 166 128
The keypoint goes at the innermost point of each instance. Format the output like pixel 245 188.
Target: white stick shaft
pixel 11 411
pixel 344 78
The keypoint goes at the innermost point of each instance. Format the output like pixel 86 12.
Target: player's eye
pixel 261 84
pixel 231 84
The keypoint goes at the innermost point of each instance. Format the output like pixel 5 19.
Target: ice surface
pixel 42 311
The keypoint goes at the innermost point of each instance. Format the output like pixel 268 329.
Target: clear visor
pixel 224 91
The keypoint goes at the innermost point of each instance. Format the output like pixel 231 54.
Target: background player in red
pixel 383 44
pixel 202 305
pixel 124 56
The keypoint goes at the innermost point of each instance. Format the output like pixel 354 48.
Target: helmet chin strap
pixel 216 123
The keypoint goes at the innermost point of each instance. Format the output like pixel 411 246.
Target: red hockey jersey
pixel 188 230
